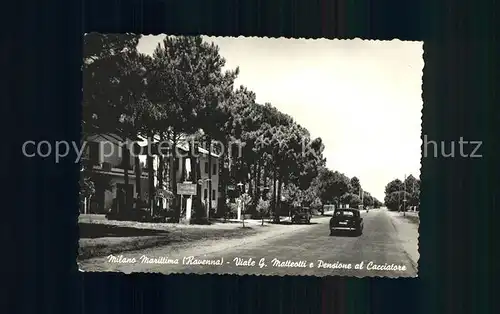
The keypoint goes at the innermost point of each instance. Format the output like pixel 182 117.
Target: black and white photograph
pixel 250 156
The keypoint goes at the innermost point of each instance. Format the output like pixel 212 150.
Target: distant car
pixel 346 220
pixel 302 216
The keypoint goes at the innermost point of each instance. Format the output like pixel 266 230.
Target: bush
pixel 199 221
pixel 263 208
pixel 317 204
pixel 232 211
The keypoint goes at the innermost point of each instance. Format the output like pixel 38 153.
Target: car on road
pixel 349 220
pixel 302 215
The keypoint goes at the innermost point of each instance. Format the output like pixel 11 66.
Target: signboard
pixel 186 189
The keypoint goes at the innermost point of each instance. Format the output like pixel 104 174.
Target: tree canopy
pixel 182 89
pixel 397 191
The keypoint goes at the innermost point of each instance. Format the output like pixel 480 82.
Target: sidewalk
pixel 408 233
pixel 412 214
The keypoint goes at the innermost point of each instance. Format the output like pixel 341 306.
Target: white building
pixel 105 154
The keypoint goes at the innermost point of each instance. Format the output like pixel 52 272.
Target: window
pixel 206 167
pixel 213 194
pixel 126 159
pixel 124 165
pixel 345 213
pixel 205 194
pixel 144 166
pixel 123 191
pixel 214 169
pixel 94 152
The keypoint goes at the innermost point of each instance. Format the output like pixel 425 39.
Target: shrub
pixel 263 208
pixel 317 204
pixel 232 211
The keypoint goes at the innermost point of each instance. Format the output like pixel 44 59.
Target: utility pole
pixel 399 201
pixel 413 193
pixel 404 197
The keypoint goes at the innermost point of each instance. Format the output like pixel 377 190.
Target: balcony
pixel 108 168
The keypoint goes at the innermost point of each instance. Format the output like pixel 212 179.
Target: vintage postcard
pixel 250 156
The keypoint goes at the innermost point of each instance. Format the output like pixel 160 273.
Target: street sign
pixel 186 189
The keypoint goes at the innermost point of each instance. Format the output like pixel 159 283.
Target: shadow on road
pixel 347 234
pixel 287 222
pixel 412 219
pixel 92 231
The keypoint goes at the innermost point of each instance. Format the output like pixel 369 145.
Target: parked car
pixel 349 220
pixel 302 215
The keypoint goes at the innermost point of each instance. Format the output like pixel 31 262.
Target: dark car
pixel 302 216
pixel 346 220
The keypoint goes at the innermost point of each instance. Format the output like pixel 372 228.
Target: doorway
pixel 121 188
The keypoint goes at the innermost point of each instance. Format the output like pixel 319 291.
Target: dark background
pixel 41 56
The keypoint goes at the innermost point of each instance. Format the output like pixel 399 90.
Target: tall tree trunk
pixel 175 202
pixel 196 175
pixel 251 172
pixel 126 166
pixel 224 178
pixel 167 173
pixel 167 165
pixel 254 188
pixel 138 173
pixel 278 197
pixel 198 186
pixel 258 185
pixel 160 174
pixel 137 170
pixel 264 181
pixel 151 184
pixel 229 158
pixel 275 207
pixel 209 174
pixel 223 185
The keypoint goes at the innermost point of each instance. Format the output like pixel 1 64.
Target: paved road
pixel 378 245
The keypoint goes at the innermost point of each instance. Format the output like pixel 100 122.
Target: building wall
pixel 110 150
pixel 215 179
pixel 179 172
pixel 109 196
pixel 204 176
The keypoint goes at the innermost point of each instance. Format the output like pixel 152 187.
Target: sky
pixel 363 98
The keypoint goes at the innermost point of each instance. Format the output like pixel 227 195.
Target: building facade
pixel 183 172
pixel 103 155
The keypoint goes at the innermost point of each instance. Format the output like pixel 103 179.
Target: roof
pixel 183 146
pixel 111 137
pixel 142 141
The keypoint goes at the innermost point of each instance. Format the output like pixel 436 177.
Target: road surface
pixel 310 251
